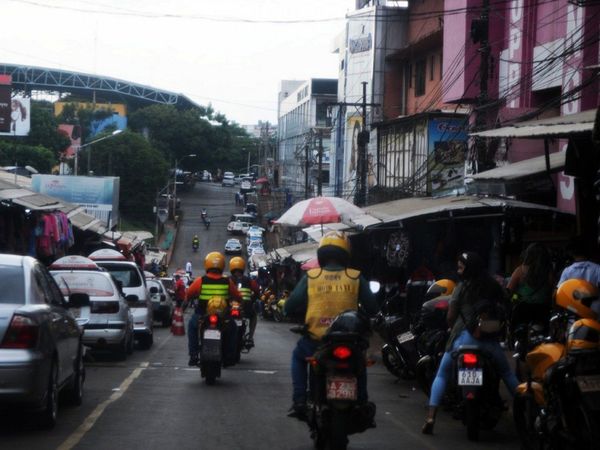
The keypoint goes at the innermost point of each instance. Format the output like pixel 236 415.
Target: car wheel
pixel 49 414
pixel 146 341
pixel 75 392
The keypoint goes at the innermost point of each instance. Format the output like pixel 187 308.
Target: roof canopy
pixel 524 168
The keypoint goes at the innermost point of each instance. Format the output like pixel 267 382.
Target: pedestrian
pixel 463 316
pixel 188 268
pixel 179 290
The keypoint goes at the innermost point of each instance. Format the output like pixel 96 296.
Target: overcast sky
pixel 210 51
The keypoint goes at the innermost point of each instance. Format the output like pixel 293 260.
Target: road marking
pixel 264 372
pixel 90 420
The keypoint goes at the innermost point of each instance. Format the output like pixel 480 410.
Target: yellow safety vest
pixel 214 288
pixel 329 293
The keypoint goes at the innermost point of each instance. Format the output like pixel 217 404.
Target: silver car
pixel 132 281
pixel 162 303
pixel 41 352
pixel 107 322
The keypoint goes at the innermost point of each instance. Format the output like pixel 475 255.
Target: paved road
pixel 154 401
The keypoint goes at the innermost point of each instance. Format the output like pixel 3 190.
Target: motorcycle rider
pixel 248 289
pixel 214 283
pixel 476 284
pixel 320 296
pixel 195 241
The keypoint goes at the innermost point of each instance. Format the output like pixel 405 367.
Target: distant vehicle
pixel 228 180
pixel 107 322
pixel 41 353
pixel 258 251
pixel 243 218
pixel 237 227
pixel 133 283
pixel 237 179
pixel 246 185
pixel 233 246
pixel 206 176
pixel 251 208
pixel 256 229
pixel 228 174
pixel 162 303
pixel 253 246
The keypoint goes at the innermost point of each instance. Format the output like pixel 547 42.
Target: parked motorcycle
pixel 278 305
pixel 559 405
pixel 334 411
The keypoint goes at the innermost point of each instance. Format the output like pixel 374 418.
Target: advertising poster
pixel 447 146
pixel 5 87
pixel 20 123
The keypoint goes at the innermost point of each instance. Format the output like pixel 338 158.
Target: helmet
pixel 576 295
pixel 214 261
pixel 237 263
pixel 195 236
pixel 333 245
pixel 441 287
pixel 584 335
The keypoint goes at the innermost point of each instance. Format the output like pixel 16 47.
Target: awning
pixel 560 126
pixel 30 200
pixel 523 168
pixel 299 252
pixel 315 232
pixel 413 207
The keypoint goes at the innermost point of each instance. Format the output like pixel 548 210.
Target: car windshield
pixel 127 275
pixel 12 281
pixel 94 284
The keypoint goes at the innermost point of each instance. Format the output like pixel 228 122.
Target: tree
pixel 142 170
pixel 39 157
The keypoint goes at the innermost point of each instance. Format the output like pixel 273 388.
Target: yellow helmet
pixel 215 261
pixel 584 335
pixel 333 245
pixel 441 287
pixel 237 263
pixel 576 295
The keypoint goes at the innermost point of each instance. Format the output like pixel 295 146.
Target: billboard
pixel 5 86
pixel 20 124
pixel 98 195
pixel 447 146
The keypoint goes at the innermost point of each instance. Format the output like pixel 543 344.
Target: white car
pixel 228 180
pixel 254 246
pixel 251 237
pixel 238 227
pixel 233 246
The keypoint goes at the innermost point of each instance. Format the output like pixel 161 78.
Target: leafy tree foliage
pixel 142 169
pixel 39 157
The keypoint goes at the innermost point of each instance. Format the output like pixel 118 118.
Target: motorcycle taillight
pixel 342 352
pixel 213 319
pixel 469 359
pixel 235 313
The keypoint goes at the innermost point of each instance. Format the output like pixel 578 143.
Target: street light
pixel 192 155
pixel 114 133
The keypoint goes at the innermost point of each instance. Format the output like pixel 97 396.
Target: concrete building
pixel 375 30
pixel 303 126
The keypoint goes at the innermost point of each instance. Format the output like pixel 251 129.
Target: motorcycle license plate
pixel 212 334
pixel 238 323
pixel 341 388
pixel 590 383
pixel 405 337
pixel 470 377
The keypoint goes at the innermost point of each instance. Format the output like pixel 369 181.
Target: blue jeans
pixel 305 348
pixel 445 370
pixel 229 338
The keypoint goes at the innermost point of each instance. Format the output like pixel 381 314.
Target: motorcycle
pixel 477 385
pixel 243 327
pixel 333 409
pixel 277 307
pixel 195 245
pixel 211 327
pixel 205 219
pixel 559 405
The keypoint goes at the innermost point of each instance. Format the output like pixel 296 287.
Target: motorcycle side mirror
pixel 374 286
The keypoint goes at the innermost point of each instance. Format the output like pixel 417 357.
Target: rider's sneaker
pixel 298 410
pixel 193 361
pixel 250 343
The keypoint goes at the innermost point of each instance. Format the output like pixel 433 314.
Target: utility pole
pixel 306 169
pixel 480 33
pixel 320 165
pixel 360 197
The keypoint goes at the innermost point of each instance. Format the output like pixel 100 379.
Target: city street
pixel 154 401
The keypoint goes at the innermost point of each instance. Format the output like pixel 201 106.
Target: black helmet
pixel 349 322
pixel 473 264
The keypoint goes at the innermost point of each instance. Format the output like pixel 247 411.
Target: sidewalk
pixel 167 239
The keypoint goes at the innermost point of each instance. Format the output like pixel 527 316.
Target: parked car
pixel 108 322
pixel 169 284
pixel 206 176
pixel 243 218
pixel 162 302
pixel 233 246
pixel 238 227
pixel 253 246
pixel 41 353
pixel 133 283
pixel 250 237
pixel 246 185
pixel 251 208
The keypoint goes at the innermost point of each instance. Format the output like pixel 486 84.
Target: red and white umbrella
pixel 319 210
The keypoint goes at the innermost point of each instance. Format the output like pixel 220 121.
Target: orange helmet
pixel 214 261
pixel 576 295
pixel 584 335
pixel 237 263
pixel 334 245
pixel 441 287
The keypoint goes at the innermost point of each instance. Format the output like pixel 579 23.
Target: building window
pixel 431 67
pixel 420 74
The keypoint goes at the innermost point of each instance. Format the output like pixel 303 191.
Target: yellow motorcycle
pixel 558 407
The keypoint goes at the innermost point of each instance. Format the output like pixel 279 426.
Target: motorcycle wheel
pixel 472 419
pixel 393 363
pixel 338 437
pixel 210 375
pixel 525 413
pixel 585 426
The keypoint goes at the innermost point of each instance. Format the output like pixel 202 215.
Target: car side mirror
pixel 154 290
pixel 131 298
pixel 78 300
